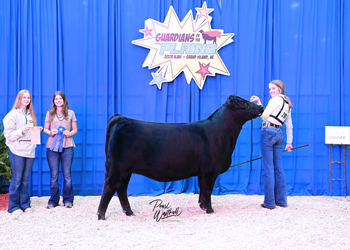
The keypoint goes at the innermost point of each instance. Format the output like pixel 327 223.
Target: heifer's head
pixel 244 108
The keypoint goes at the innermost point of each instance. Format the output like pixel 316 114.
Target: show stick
pixel 261 157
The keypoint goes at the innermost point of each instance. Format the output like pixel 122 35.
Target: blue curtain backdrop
pixel 83 48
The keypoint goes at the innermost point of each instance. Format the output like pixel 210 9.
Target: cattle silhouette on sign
pixel 210 35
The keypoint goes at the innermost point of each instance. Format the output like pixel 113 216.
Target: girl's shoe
pixel 18 211
pixel 28 210
pixel 262 205
pixel 68 205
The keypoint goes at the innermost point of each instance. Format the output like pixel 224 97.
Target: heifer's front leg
pixel 206 185
pixel 106 197
pixel 123 196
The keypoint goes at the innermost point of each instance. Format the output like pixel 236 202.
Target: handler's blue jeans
pixel 274 180
pixel 66 159
pixel 18 191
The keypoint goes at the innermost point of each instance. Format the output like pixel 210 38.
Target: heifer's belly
pixel 168 168
pixel 159 151
pixel 163 176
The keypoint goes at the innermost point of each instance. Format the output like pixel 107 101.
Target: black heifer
pixel 170 152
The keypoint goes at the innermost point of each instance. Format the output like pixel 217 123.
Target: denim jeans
pixel 18 192
pixel 66 159
pixel 274 180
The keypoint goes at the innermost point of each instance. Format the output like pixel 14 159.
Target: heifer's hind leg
pixel 201 198
pixel 206 185
pixel 123 196
pixel 107 194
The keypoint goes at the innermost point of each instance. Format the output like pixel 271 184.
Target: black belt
pixel 270 125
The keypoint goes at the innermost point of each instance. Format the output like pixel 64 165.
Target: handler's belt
pixel 269 125
pixel 25 141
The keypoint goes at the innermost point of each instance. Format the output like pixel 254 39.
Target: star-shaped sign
pixel 179 46
pixel 158 79
pixel 204 70
pixel 204 11
pixel 147 31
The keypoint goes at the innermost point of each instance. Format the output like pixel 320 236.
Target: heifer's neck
pixel 229 121
pixel 228 124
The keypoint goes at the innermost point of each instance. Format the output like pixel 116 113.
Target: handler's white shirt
pixel 18 143
pixel 273 107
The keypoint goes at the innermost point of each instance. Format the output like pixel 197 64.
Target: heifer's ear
pixel 230 99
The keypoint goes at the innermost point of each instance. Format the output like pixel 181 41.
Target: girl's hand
pixel 66 133
pixel 255 99
pixel 53 132
pixel 25 130
pixel 289 147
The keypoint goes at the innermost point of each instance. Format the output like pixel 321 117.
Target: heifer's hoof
pixel 210 211
pixel 101 217
pixel 129 213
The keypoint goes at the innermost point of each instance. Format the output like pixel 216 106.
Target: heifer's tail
pixel 112 121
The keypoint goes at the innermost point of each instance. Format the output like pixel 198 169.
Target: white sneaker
pixel 18 211
pixel 28 210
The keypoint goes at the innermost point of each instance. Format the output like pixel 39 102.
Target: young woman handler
pixel 277 113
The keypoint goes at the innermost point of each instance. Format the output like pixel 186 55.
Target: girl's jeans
pixel 66 159
pixel 274 180
pixel 18 191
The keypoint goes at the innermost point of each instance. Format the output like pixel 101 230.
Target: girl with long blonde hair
pixel 276 113
pixel 17 125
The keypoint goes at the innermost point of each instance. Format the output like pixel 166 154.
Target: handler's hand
pixel 289 147
pixel 255 99
pixel 54 131
pixel 25 130
pixel 66 132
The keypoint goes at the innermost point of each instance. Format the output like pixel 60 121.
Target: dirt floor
pixel 177 222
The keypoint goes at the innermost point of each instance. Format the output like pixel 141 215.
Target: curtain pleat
pixel 84 49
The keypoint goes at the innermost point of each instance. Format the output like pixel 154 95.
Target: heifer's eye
pixel 244 104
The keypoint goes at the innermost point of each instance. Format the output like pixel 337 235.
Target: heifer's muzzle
pixel 256 110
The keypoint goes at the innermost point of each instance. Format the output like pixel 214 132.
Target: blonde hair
pixel 280 85
pixel 18 104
